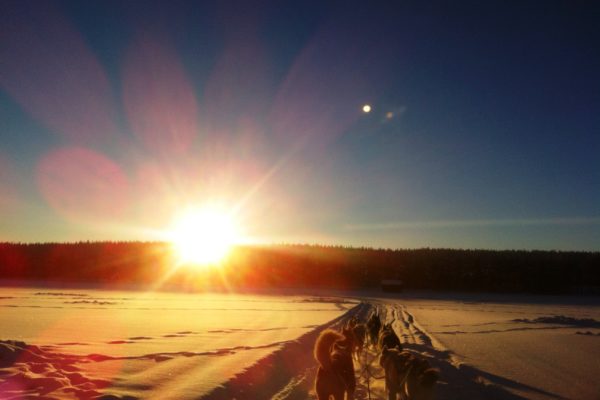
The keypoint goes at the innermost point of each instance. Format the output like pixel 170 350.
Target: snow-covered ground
pixel 146 345
pixel 84 344
pixel 534 347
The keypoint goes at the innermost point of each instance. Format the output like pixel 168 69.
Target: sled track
pixel 289 373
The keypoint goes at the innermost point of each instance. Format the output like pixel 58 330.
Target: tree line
pixel 148 264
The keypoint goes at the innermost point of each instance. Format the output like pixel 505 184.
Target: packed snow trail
pixel 289 373
pixel 457 379
pixel 485 346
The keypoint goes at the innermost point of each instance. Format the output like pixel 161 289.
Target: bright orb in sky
pixel 203 237
pixel 366 108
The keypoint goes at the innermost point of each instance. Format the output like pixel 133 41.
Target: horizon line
pixel 306 244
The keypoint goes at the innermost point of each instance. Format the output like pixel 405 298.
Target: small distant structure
pixel 392 285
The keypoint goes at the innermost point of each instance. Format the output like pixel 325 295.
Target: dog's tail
pixel 429 377
pixel 323 346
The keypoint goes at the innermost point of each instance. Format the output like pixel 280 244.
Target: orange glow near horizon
pixel 203 237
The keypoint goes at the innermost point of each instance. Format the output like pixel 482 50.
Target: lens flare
pixel 83 185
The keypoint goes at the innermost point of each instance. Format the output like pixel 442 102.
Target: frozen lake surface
pixel 88 343
pixel 152 344
pixel 537 347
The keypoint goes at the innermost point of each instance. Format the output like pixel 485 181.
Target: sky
pixel 484 128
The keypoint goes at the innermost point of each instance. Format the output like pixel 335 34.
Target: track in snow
pixel 289 373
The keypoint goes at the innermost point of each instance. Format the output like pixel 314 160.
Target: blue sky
pixel 483 131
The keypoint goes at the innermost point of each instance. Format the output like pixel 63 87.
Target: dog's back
pixel 388 338
pixel 335 375
pixel 360 331
pixel 374 326
pixel 408 374
pixel 323 346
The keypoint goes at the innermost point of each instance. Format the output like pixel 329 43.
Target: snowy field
pixel 104 344
pixel 542 347
pixel 146 345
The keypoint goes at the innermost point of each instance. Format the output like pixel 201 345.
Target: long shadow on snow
pixel 272 374
pixel 467 382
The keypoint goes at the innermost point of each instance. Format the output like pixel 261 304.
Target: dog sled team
pixel 406 374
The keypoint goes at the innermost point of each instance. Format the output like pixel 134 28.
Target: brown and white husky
pixel 335 376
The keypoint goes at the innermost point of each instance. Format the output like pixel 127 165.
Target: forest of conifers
pixel 152 264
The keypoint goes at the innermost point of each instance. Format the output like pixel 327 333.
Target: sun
pixel 203 236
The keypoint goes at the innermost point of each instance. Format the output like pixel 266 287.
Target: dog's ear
pixel 429 377
pixel 340 346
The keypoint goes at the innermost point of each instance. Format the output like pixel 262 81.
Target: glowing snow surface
pixel 146 345
pixel 84 344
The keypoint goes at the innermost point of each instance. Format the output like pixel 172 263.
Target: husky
pixel 388 338
pixel 373 327
pixel 408 375
pixel 335 376
pixel 360 333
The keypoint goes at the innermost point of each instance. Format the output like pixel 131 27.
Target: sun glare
pixel 203 237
